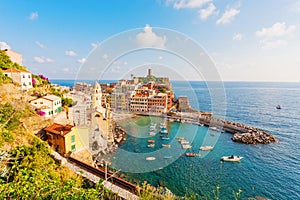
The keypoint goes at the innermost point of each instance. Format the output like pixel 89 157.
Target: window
pixel 72 138
pixel 28 76
pixel 73 148
pixel 23 76
pixel 29 83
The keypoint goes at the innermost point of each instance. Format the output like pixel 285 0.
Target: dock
pixel 241 132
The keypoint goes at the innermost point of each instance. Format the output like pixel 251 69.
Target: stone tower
pixel 96 96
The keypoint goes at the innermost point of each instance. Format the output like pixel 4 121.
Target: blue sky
pixel 247 40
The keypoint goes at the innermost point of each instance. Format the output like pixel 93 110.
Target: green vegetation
pixel 35 174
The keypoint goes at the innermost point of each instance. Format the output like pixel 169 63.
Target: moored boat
pixel 186 146
pixel 151 141
pixel 166 145
pixel 231 158
pixel 151 145
pixel 190 155
pixel 165 138
pixel 152 133
pixel 206 148
pixel 150 158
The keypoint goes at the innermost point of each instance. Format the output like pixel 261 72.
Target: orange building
pixel 66 138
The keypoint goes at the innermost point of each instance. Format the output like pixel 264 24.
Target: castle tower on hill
pixel 96 96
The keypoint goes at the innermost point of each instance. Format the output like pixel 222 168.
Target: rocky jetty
pixel 254 137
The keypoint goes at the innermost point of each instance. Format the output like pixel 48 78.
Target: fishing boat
pixel 190 155
pixel 151 141
pixel 206 148
pixel 186 146
pixel 150 158
pixel 166 145
pixel 231 158
pixel 151 145
pixel 165 138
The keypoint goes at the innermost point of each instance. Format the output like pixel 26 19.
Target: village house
pixel 48 106
pixel 67 138
pixel 24 79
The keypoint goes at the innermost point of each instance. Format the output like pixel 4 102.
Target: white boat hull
pixel 231 159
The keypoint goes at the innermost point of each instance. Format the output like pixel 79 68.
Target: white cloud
pixel 82 60
pixel 179 4
pixel 105 56
pixel 228 16
pixel 70 53
pixel 66 69
pixel 238 37
pixel 40 45
pixel 33 16
pixel 277 30
pixel 94 45
pixel 149 39
pixel 4 45
pixel 42 59
pixel 206 12
pixel 272 44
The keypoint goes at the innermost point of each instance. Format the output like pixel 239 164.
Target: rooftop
pixel 59 129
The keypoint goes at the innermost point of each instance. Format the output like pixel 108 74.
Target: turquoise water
pixel 271 171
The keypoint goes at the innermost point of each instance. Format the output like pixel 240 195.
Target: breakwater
pixel 241 133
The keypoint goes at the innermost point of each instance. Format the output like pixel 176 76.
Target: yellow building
pixel 66 139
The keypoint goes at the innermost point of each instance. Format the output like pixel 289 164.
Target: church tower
pixel 96 96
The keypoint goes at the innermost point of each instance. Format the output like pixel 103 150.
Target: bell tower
pixel 96 96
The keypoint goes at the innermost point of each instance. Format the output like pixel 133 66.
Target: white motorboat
pixel 231 158
pixel 206 148
pixel 150 158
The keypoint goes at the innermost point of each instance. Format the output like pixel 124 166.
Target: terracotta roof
pixel 59 129
pixel 11 70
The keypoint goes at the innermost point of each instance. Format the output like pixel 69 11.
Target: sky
pixel 245 40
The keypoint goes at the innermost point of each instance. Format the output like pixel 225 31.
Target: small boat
pixel 151 141
pixel 206 148
pixel 179 137
pixel 190 155
pixel 231 158
pixel 184 142
pixel 213 128
pixel 166 145
pixel 152 133
pixel 186 146
pixel 150 158
pixel 165 138
pixel 211 134
pixel 168 157
pixel 151 145
pixel 164 131
pixel 278 107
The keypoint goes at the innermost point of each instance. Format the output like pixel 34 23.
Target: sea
pixel 271 170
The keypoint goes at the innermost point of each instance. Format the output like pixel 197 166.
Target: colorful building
pixel 50 105
pixel 24 79
pixel 66 139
